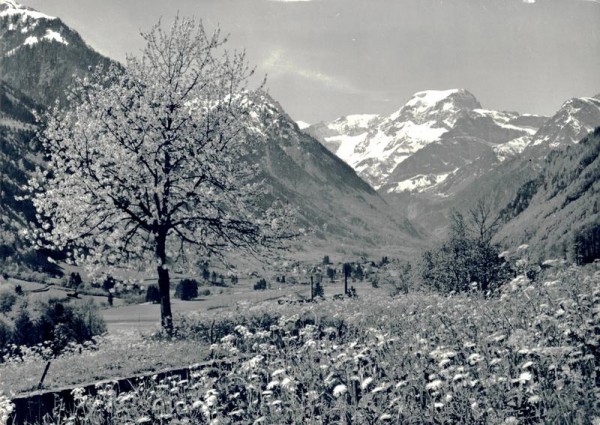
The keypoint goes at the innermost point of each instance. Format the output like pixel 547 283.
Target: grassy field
pixel 127 349
pixel 526 356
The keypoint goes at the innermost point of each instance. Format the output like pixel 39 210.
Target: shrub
pixel 109 283
pixel 7 301
pixel 466 256
pixel 75 280
pixel 153 294
pixel 58 322
pixel 261 285
pixel 187 289
pixel 5 333
pixel 318 290
pixel 204 293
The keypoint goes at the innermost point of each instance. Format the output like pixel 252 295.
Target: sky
pixel 328 58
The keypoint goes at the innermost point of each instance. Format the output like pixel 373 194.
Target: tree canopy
pixel 147 167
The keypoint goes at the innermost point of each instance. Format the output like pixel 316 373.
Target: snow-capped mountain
pixel 39 54
pixel 342 135
pixel 503 183
pixel 433 135
pixel 575 119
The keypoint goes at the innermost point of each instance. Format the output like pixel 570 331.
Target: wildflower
pixel 278 372
pixel 438 405
pixel 527 365
pixel 339 390
pixel 523 378
pixel 379 388
pixel 287 384
pixel 434 385
pixel 458 377
pixel 366 383
pixel 144 420
pixel 444 363
pixel 211 400
pixel 272 384
pixel 385 417
pixel 312 395
pixel 474 358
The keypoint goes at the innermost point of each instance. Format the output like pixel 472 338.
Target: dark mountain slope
pixel 331 198
pixel 17 128
pixel 39 54
pixel 561 205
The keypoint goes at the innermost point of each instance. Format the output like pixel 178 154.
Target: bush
pixel 57 321
pixel 318 290
pixel 153 294
pixel 204 293
pixel 187 289
pixel 7 301
pixel 261 285
pixel 74 280
pixel 109 283
pixel 5 333
pixel 466 257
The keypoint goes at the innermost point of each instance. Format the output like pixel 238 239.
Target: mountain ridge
pixel 384 150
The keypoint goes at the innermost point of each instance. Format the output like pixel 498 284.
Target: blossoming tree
pixel 146 168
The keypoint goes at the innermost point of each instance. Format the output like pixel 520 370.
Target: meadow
pixel 526 355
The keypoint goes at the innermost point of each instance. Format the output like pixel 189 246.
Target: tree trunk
pixel 345 280
pixel 164 285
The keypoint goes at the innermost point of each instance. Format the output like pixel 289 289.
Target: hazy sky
pixel 327 58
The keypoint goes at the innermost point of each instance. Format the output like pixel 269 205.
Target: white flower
pixel 287 384
pixel 474 358
pixel 434 385
pixel 523 378
pixel 211 400
pixel 339 390
pixel 366 383
pixel 278 372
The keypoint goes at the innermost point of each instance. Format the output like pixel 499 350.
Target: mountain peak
pixel 426 100
pixel 12 8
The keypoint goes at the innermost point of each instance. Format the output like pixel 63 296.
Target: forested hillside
pixel 16 131
pixel 557 213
